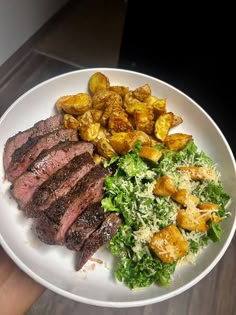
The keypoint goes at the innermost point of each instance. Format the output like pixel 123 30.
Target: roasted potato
pixel 123 142
pixel 177 141
pixel 144 121
pixel 85 119
pixel 97 114
pixel 169 244
pixel 150 153
pixel 105 149
pixel 119 122
pixel 164 186
pixel 142 92
pixel 75 104
pixel 191 220
pixel 177 120
pixel 89 132
pixel 121 90
pixel 70 121
pixel 103 98
pixel 163 125
pixel 159 107
pixel 98 81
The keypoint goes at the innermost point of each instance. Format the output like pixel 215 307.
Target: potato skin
pixel 98 81
pixel 75 104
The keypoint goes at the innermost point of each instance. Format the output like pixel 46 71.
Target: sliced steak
pixel 98 238
pixel 46 164
pixel 60 183
pixel 66 209
pixel 84 225
pixel 45 229
pixel 40 128
pixel 26 154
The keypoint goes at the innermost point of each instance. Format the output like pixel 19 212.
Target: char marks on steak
pixel 40 128
pixel 60 183
pixel 84 225
pixel 46 164
pixel 98 238
pixel 26 154
pixel 65 210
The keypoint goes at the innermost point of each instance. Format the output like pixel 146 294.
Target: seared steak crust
pixel 84 225
pixel 40 128
pixel 65 210
pixel 26 154
pixel 46 164
pixel 60 183
pixel 99 238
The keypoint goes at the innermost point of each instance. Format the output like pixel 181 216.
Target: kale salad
pixel 171 209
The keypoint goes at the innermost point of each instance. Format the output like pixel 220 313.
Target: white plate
pixel 53 266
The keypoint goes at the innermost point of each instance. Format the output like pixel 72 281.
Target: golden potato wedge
pixel 142 92
pixel 105 149
pixel 97 158
pixel 109 110
pixel 150 153
pixel 144 121
pixel 60 102
pixel 150 100
pixel 164 186
pixel 119 142
pixel 169 244
pixel 75 104
pixel 186 199
pixel 119 122
pixel 191 220
pixel 177 141
pixel 97 114
pixel 177 120
pixel 199 173
pixel 103 98
pixel 89 132
pixel 121 90
pixel 159 107
pixel 131 103
pixel 70 121
pixel 98 81
pixel 123 142
pixel 85 119
pixel 163 125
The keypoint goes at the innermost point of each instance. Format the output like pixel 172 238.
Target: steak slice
pixel 26 154
pixel 99 238
pixel 46 164
pixel 40 128
pixel 60 183
pixel 65 210
pixel 84 225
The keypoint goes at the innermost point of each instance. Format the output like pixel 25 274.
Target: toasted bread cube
pixel 199 173
pixel 177 141
pixel 150 153
pixel 169 244
pixel 164 186
pixel 191 220
pixel 183 197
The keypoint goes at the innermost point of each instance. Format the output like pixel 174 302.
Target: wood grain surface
pixel 54 52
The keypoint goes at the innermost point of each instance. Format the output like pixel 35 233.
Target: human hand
pixel 17 290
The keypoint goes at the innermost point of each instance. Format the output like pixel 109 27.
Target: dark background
pixel 185 57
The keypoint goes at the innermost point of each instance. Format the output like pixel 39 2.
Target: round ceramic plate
pixel 53 266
